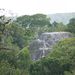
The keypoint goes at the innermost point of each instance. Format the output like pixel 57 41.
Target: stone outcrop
pixel 43 44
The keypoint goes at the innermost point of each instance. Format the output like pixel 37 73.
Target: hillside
pixel 61 17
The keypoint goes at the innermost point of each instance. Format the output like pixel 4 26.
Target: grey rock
pixel 43 45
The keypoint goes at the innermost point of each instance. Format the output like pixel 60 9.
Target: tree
pixel 46 67
pixel 3 22
pixel 17 33
pixel 71 25
pixel 23 60
pixel 58 27
pixel 6 69
pixel 12 37
pixel 24 20
pixel 64 51
pixel 34 20
pixel 9 56
pixel 40 20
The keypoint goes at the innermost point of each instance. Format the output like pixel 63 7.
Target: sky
pixel 30 7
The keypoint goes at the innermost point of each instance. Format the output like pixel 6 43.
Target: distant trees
pixel 58 26
pixel 37 20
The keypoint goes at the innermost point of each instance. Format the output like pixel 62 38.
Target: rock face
pixel 42 46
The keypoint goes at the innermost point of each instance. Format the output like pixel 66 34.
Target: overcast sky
pixel 29 7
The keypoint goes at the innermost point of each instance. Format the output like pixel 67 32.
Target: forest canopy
pixel 15 38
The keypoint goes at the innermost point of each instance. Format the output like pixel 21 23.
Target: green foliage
pixel 60 60
pixel 58 27
pixel 46 67
pixel 71 25
pixel 64 51
pixel 12 60
pixel 9 56
pixel 23 59
pixel 3 30
pixel 18 35
pixel 17 61
pixel 34 20
pixel 6 69
pixel 24 20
